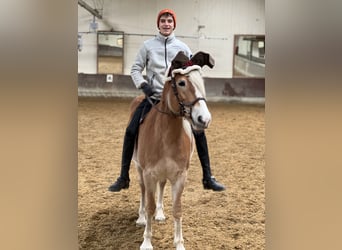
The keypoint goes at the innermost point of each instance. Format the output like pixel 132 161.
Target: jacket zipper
pixel 152 80
pixel 166 53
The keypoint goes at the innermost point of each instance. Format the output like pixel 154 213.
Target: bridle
pixel 185 108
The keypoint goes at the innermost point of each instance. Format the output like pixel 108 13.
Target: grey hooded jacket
pixel 156 55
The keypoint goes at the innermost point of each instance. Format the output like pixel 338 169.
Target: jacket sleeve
pixel 139 66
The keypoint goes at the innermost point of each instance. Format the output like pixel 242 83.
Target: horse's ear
pixel 202 58
pixel 178 62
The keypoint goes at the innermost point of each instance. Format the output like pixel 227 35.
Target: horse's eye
pixel 181 83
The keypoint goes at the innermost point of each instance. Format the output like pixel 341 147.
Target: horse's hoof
pixel 140 223
pixel 180 247
pixel 160 218
pixel 146 246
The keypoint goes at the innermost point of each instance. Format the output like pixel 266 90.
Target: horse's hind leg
pixel 150 208
pixel 177 190
pixel 160 207
pixel 141 221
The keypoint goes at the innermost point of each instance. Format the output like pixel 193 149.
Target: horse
pixel 165 142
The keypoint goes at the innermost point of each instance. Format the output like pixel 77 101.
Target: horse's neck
pixel 167 113
pixel 172 123
pixel 168 102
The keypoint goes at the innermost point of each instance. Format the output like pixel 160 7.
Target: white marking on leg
pixel 150 208
pixel 141 221
pixel 178 241
pixel 160 207
pixel 147 245
pixel 177 190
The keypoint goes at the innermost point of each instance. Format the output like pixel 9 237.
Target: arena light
pixel 79 42
pixel 93 25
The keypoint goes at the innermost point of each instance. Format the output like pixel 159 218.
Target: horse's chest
pixel 167 168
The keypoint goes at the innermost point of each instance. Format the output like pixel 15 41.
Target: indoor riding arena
pixel 232 219
pixel 232 33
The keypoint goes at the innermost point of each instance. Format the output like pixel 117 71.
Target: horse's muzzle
pixel 200 123
pixel 204 123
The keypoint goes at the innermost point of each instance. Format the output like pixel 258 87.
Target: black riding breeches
pixel 133 127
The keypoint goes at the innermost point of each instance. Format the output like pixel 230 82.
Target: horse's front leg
pixel 177 191
pixel 150 208
pixel 160 207
pixel 141 221
pixel 178 241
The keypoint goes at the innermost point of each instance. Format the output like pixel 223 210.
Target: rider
pixel 156 55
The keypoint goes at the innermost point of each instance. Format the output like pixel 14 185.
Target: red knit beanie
pixel 164 11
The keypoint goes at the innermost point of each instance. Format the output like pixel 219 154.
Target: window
pixel 110 52
pixel 249 56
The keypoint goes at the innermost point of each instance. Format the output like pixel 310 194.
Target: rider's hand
pixel 147 89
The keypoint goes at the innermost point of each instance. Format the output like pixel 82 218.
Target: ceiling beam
pixel 94 12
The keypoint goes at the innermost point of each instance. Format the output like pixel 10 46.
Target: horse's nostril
pixel 200 119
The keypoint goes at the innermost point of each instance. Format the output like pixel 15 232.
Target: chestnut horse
pixel 165 142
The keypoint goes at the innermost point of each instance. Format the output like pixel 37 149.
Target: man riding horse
pixel 156 55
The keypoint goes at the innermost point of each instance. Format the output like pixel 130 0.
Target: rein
pixel 154 105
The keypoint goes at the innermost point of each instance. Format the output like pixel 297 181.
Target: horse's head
pixel 188 93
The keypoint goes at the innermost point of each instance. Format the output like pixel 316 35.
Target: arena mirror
pixel 249 56
pixel 110 52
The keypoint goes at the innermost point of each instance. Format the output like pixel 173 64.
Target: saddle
pixel 151 102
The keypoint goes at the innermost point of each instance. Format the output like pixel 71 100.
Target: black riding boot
pixel 128 147
pixel 127 152
pixel 209 182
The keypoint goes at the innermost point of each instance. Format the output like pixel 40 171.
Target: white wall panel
pixel 137 18
pixel 87 60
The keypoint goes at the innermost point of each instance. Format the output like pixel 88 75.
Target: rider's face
pixel 166 25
